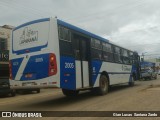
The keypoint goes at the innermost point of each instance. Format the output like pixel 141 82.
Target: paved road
pixel 144 96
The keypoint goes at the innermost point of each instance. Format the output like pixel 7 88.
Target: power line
pixel 94 13
pixel 157 26
pixel 143 44
pixel 152 54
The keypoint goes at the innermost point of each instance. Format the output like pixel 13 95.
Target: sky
pixel 132 24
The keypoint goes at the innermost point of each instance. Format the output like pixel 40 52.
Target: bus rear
pixel 34 55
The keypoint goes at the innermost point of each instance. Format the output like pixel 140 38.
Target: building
pixel 5 35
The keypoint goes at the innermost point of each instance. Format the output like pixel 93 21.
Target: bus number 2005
pixel 69 65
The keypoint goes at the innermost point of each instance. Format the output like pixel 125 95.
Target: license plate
pixel 27 84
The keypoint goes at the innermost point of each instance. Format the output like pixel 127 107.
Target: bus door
pixel 81 50
pixel 137 64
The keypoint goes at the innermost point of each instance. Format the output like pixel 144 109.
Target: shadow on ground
pixel 62 100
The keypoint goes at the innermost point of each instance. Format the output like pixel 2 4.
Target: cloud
pixel 131 23
pixel 140 35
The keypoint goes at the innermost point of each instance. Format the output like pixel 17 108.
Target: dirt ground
pixel 144 96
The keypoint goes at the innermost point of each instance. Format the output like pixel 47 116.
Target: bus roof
pixel 60 22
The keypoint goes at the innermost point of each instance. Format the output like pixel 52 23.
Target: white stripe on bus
pixel 22 67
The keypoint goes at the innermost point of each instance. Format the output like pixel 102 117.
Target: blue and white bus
pixel 52 53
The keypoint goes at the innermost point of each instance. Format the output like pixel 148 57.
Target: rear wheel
pixel 13 93
pixel 38 91
pixel 154 76
pixel 150 78
pixel 103 86
pixel 70 92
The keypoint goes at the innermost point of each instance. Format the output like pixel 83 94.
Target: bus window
pixel 130 57
pixel 107 47
pixel 65 41
pixel 117 54
pixel 96 49
pixel 64 34
pixel 96 44
pixel 107 52
pixel 125 56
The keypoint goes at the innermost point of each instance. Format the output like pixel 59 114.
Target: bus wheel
pixel 131 83
pixel 103 85
pixel 13 93
pixel 70 92
pixel 38 90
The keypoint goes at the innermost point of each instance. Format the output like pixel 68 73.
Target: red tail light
pixel 10 70
pixel 52 64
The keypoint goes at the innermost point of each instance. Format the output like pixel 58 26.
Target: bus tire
pixel 38 91
pixel 150 78
pixel 13 93
pixel 70 92
pixel 156 77
pixel 103 85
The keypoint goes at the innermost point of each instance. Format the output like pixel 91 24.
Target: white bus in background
pixel 52 53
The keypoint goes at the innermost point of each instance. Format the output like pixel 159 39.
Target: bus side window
pixel 125 56
pixel 130 57
pixel 107 52
pixel 96 49
pixel 117 55
pixel 80 46
pixel 64 34
pixel 65 41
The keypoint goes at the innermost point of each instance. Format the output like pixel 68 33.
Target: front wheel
pixel 13 93
pixel 70 92
pixel 155 77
